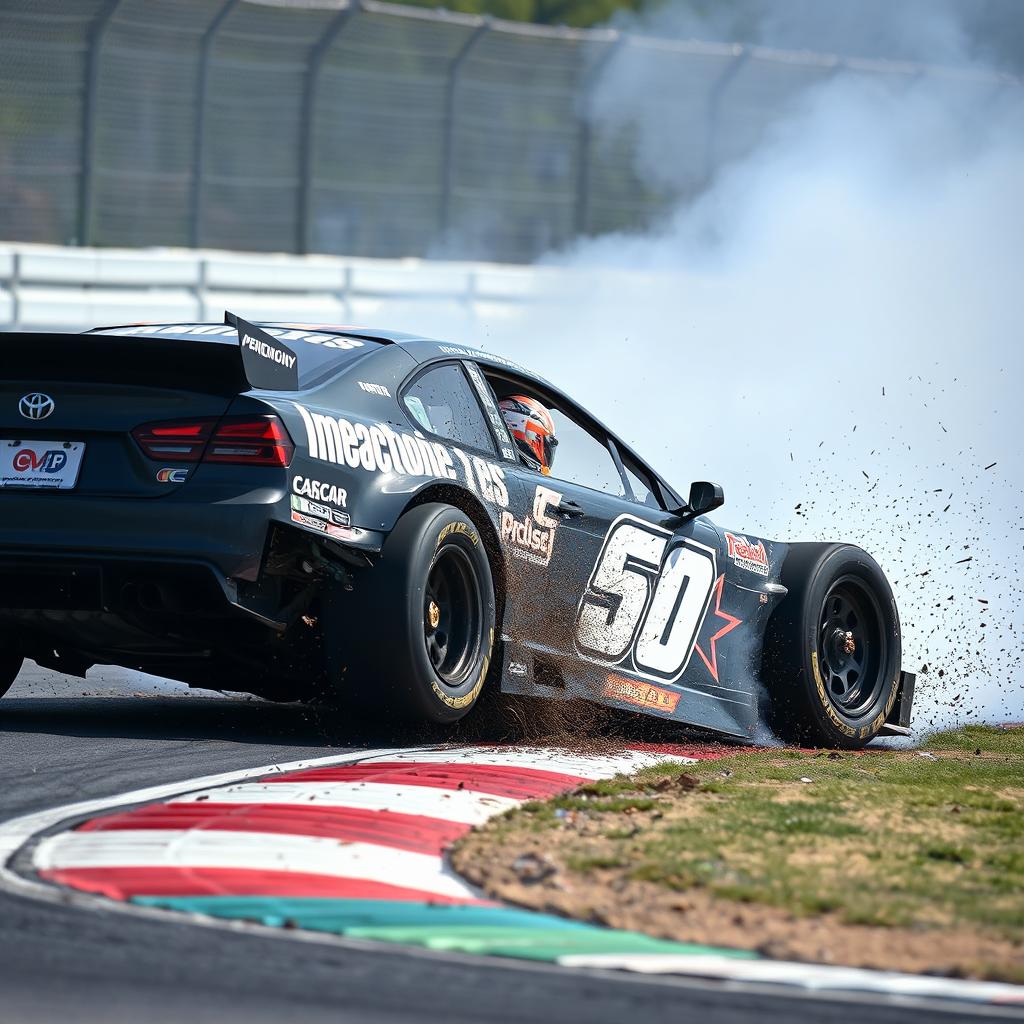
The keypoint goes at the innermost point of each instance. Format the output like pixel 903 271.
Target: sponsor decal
pixel 225 330
pixel 483 477
pixel 516 668
pixel 533 538
pixel 453 528
pixel 310 522
pixel 172 476
pixel 318 511
pixel 746 555
pixel 375 389
pixel 35 405
pixel 465 353
pixel 632 691
pixel 269 351
pixel 508 453
pixel 321 526
pixel 377 448
pixel 268 363
pixel 51 461
pixel 487 399
pixel 329 494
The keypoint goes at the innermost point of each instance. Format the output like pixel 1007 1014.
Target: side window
pixel 582 459
pixel 643 492
pixel 442 402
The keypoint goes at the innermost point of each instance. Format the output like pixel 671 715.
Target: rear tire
pixel 10 666
pixel 415 638
pixel 832 649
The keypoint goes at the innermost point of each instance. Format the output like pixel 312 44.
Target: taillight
pixel 174 441
pixel 241 440
pixel 262 441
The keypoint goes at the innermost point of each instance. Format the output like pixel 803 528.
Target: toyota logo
pixel 35 406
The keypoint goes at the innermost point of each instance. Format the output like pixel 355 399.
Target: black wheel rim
pixel 452 616
pixel 852 645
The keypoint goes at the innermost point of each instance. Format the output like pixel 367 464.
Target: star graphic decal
pixel 731 622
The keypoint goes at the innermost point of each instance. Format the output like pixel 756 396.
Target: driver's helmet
pixel 531 425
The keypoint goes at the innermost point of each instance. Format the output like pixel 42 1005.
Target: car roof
pixel 420 347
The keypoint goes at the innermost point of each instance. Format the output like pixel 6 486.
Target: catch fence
pixel 367 129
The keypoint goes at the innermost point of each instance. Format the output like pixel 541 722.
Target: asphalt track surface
pixel 63 740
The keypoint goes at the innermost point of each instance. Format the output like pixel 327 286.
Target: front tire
pixel 420 635
pixel 832 649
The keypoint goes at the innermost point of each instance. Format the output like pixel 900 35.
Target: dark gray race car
pixel 314 512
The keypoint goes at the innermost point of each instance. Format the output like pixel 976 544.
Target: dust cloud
pixel 831 328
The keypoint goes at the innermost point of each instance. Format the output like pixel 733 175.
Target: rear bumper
pixel 227 532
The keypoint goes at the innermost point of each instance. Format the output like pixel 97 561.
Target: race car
pixel 310 512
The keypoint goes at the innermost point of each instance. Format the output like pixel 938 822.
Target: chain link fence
pixel 358 127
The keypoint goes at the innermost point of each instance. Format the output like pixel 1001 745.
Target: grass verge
pixel 909 860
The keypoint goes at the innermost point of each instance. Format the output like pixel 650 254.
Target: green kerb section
pixel 487 931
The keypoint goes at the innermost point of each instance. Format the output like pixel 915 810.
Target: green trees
pixel 575 13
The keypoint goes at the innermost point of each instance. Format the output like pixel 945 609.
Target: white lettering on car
pixel 533 538
pixel 377 448
pixel 275 355
pixel 331 494
pixel 643 602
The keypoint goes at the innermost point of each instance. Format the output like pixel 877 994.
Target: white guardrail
pixel 53 287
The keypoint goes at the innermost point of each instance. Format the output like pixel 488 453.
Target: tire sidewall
pixel 449 528
pixel 839 727
pixel 390 673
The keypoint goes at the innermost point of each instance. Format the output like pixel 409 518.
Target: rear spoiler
pixel 269 364
pixel 214 365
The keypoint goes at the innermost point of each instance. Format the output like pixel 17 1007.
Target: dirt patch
pixel 888 860
pixel 607 897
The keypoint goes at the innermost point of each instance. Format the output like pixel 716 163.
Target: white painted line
pixel 253 851
pixel 459 805
pixel 817 977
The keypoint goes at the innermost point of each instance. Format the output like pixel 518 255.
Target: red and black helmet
pixel 532 427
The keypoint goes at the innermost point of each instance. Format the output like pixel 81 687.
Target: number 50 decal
pixel 635 603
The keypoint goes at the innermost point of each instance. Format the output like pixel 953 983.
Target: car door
pixel 554 537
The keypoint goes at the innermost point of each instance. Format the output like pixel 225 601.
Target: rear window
pixel 320 355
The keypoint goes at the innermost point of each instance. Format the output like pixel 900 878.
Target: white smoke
pixel 832 330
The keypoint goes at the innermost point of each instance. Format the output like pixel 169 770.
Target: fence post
pixel 345 292
pixel 202 275
pixel 88 144
pixel 714 103
pixel 199 142
pixel 583 151
pixel 16 291
pixel 448 137
pixel 304 218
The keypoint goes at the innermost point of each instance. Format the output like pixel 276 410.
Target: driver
pixel 531 425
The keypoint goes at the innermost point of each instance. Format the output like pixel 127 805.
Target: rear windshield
pixel 321 355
